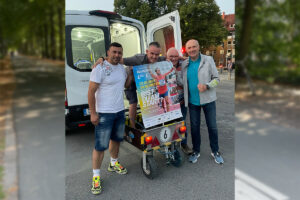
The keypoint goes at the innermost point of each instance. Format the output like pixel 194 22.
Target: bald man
pixel 173 56
pixel 200 78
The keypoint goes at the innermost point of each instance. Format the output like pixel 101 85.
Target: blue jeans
pixel 184 111
pixel 211 122
pixel 111 127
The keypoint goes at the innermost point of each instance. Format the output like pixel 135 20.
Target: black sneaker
pixel 186 149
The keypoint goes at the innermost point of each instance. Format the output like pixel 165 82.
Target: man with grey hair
pixel 173 56
pixel 200 78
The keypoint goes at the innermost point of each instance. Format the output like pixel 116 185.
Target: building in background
pixel 226 51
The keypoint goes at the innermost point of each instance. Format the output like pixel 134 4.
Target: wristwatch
pixel 207 87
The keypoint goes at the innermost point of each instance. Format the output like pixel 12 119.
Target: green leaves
pixel 22 26
pixel 199 19
pixel 275 40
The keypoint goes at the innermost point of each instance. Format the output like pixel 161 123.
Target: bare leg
pixel 132 114
pixel 97 158
pixel 163 103
pixel 114 149
pixel 167 103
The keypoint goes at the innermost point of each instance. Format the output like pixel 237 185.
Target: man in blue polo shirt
pixel 200 77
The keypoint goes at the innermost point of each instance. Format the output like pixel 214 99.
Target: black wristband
pixel 207 87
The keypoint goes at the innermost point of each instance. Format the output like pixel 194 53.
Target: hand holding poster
pixel 157 93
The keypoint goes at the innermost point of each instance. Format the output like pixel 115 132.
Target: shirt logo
pixel 107 70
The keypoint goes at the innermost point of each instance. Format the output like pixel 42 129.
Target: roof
pixel 228 20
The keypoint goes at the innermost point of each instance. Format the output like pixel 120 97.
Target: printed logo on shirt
pixel 107 70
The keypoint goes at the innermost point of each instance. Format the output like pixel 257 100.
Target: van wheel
pixel 178 158
pixel 151 170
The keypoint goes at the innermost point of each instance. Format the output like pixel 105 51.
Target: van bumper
pixel 75 117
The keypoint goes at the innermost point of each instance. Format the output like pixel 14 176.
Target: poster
pixel 157 93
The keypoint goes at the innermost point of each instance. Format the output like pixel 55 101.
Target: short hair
pixel 156 70
pixel 115 44
pixel 170 49
pixel 156 44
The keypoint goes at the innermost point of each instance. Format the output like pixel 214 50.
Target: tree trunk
pixel 245 39
pixel 52 35
pixel 46 41
pixel 61 36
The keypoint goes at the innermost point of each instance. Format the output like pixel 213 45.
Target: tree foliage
pixel 274 42
pixel 33 27
pixel 199 19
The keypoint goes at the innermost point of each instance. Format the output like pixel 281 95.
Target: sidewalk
pixel 8 152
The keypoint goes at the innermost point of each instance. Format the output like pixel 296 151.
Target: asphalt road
pixel 38 109
pixel 267 155
pixel 204 180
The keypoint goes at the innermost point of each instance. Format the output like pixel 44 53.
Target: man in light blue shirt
pixel 200 77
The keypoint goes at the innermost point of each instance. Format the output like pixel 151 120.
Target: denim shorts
pixel 111 127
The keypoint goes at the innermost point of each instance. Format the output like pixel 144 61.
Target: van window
pixel 87 46
pixel 128 36
pixel 165 37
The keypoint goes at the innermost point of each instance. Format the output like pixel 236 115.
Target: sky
pixel 226 6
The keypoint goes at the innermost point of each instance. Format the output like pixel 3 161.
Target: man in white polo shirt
pixel 105 97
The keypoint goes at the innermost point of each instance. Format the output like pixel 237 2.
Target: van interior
pixel 88 43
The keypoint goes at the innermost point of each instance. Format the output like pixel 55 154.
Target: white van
pixel 88 35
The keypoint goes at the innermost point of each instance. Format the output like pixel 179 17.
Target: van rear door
pixel 87 38
pixel 166 31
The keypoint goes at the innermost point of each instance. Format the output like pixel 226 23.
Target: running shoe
pixel 218 158
pixel 118 168
pixel 96 186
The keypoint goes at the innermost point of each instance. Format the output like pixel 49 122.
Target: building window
pixel 221 51
pixel 229 51
pixel 229 42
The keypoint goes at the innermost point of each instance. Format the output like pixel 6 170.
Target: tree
pixel 32 27
pixel 269 38
pixel 199 19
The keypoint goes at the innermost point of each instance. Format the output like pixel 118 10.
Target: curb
pixel 10 178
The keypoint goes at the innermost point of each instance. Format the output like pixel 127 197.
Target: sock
pixel 96 172
pixel 113 161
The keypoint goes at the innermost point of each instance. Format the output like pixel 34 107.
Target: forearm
pixel 92 101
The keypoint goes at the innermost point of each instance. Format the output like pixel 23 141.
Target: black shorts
pixel 131 96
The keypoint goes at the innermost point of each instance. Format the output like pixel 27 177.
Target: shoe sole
pixel 220 163
pixel 96 193
pixel 122 173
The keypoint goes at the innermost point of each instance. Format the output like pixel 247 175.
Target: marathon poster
pixel 157 93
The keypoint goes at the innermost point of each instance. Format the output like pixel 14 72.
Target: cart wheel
pixel 151 167
pixel 178 157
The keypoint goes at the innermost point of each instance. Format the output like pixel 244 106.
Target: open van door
pixel 166 31
pixel 88 35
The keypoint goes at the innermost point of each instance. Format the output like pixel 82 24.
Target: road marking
pixel 249 188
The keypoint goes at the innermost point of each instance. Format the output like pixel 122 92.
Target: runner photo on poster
pixel 157 93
